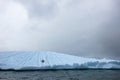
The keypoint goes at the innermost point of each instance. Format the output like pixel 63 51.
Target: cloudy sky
pixel 80 27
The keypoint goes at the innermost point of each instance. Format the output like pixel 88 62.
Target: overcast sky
pixel 79 27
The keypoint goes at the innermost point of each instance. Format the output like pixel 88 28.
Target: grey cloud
pixel 39 8
pixel 87 28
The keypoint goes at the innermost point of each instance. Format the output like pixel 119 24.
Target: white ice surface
pixel 33 60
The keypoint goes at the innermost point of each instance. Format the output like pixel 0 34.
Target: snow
pixel 19 60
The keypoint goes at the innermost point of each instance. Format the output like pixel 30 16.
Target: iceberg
pixel 30 60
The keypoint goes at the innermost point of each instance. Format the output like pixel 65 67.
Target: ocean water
pixel 61 75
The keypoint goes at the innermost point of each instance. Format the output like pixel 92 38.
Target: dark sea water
pixel 61 75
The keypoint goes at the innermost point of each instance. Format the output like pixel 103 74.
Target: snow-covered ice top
pixel 20 60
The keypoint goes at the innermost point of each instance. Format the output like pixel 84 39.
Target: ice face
pixel 51 60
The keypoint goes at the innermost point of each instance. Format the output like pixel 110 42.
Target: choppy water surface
pixel 61 75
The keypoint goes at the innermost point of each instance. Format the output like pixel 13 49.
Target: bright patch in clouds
pixel 13 17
